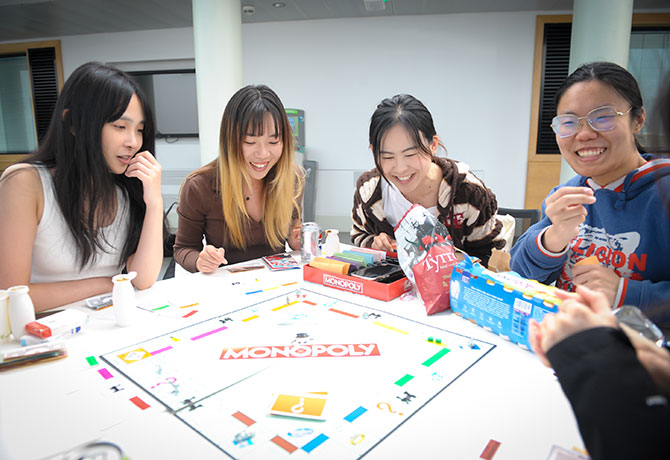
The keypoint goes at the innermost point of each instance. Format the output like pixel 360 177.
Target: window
pixel 17 124
pixel 31 76
pixel 649 62
pixel 555 65
pixel 172 95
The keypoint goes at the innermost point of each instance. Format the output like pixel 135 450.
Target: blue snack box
pixel 500 302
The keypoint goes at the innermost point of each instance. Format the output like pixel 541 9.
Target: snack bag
pixel 426 255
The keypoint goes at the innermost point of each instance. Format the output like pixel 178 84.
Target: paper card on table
pixel 302 405
pixel 283 261
pixel 559 453
pixel 245 267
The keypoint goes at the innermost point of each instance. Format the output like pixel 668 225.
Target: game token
pixel 243 436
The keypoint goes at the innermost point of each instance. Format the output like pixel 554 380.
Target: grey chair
pixel 523 218
pixel 168 251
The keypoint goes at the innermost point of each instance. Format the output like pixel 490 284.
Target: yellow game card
pixel 303 405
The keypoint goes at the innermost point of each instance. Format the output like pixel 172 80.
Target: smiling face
pixel 122 138
pixel 604 156
pixel 262 151
pixel 402 161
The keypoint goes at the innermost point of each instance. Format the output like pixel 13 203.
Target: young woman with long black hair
pixel 87 203
pixel 408 171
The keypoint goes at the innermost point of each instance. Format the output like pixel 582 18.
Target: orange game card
pixel 304 405
pixel 593 260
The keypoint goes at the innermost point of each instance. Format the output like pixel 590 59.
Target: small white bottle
pixel 332 243
pixel 123 299
pixel 21 310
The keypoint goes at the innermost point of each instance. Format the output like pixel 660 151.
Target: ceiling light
pixel 374 5
pixel 248 10
pixel 279 4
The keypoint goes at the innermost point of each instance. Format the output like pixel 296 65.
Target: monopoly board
pixel 298 376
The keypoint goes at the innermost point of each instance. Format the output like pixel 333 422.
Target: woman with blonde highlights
pixel 246 203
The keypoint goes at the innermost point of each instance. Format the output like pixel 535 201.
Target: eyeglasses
pixel 600 119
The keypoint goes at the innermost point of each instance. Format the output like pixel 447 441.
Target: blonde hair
pixel 283 184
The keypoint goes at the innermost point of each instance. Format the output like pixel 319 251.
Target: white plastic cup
pixel 5 327
pixel 21 310
pixel 123 298
pixel 332 243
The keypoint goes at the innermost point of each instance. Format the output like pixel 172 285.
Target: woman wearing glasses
pixel 612 209
pixel 404 145
pixel 612 375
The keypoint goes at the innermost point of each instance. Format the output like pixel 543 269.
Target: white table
pixel 46 408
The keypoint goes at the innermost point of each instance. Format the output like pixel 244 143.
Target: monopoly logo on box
pixel 500 302
pixel 353 286
pixel 369 288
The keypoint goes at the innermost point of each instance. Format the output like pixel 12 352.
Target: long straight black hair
pixel 85 187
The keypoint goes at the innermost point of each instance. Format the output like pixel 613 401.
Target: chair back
pixel 523 219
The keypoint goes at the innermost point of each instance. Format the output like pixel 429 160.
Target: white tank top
pixel 395 203
pixel 54 249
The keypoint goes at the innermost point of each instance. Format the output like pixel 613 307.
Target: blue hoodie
pixel 627 228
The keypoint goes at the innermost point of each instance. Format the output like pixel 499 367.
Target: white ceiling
pixel 28 19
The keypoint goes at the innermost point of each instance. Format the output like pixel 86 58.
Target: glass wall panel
pixel 649 62
pixel 17 124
